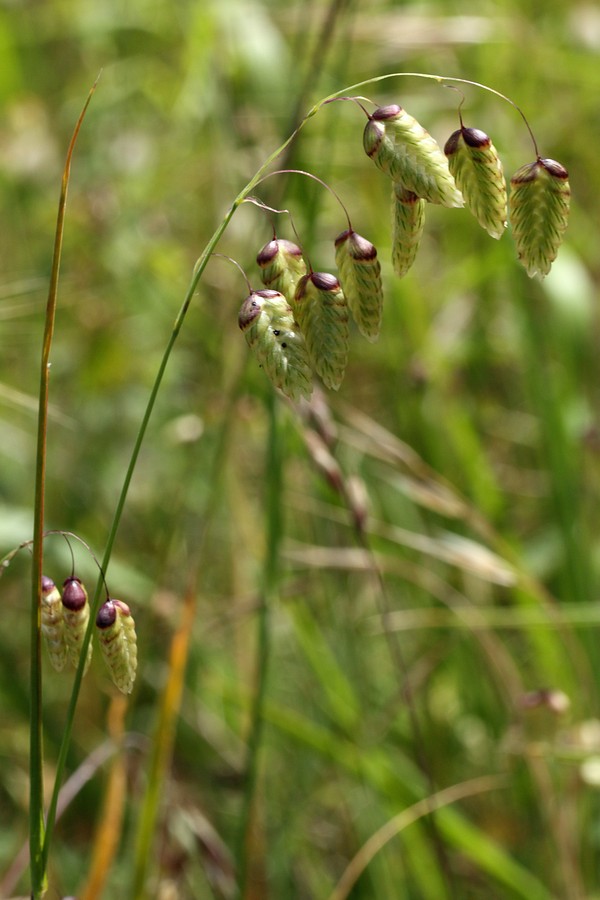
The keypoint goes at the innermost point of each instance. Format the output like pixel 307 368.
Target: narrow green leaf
pixel 267 321
pixel 478 172
pixel 360 277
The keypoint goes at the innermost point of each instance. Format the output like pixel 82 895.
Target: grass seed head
pixel 408 221
pixel 76 614
pixel 477 170
pixel 322 313
pixel 268 323
pixel 360 278
pixel 539 212
pixel 118 641
pixel 53 625
pixel 282 265
pixel 405 151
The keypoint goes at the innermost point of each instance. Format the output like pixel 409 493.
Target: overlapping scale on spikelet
pixel 118 641
pixel 322 313
pixel 477 170
pixel 359 274
pixel 408 221
pixel 405 151
pixel 281 266
pixel 272 334
pixel 539 211
pixel 76 615
pixel 53 625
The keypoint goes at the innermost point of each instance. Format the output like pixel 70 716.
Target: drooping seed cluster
pixel 299 325
pixel 64 623
pixel 469 172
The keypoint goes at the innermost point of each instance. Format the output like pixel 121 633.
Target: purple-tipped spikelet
pixel 53 625
pixel 478 173
pixel 360 277
pixel 118 641
pixel 322 313
pixel 408 221
pixel 268 323
pixel 76 615
pixel 402 149
pixel 539 212
pixel 282 266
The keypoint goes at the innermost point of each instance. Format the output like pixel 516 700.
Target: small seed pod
pixel 408 221
pixel 322 313
pixel 116 633
pixel 360 278
pixel 271 332
pixel 76 615
pixel 282 266
pixel 53 626
pixel 539 212
pixel 477 170
pixel 402 149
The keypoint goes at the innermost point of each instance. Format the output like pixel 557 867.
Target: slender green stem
pixel 274 484
pixel 36 784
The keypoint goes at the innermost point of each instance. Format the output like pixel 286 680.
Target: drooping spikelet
pixel 539 212
pixel 322 313
pixel 478 173
pixel 267 320
pixel 118 641
pixel 282 266
pixel 76 615
pixel 53 626
pixel 360 277
pixel 402 149
pixel 408 220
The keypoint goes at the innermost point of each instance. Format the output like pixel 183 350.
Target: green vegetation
pixel 366 625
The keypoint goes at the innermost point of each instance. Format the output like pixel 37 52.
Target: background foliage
pixel 399 647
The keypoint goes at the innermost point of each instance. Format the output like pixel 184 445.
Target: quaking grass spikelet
pixel 282 266
pixel 401 148
pixel 539 212
pixel 322 313
pixel 53 625
pixel 408 220
pixel 118 641
pixel 267 320
pixel 360 278
pixel 478 173
pixel 76 614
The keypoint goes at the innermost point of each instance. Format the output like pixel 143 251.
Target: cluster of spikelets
pixel 64 622
pixel 299 325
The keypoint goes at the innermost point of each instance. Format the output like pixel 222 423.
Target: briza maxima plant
pixel 467 172
pixel 298 327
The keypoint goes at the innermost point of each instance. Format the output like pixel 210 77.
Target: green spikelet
pixel 282 266
pixel 322 313
pixel 408 220
pixel 76 615
pixel 118 641
pixel 267 321
pixel 539 212
pixel 53 626
pixel 478 173
pixel 402 149
pixel 360 277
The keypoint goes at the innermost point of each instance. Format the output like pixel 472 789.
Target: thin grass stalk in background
pixel 269 593
pixel 37 833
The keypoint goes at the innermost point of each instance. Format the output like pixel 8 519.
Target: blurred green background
pixel 470 431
